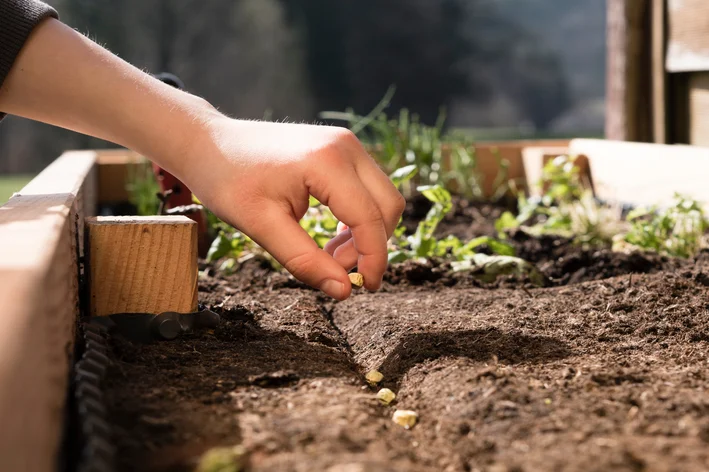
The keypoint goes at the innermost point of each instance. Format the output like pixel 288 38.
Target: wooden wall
pixel 658 71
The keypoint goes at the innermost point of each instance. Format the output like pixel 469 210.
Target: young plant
pixel 677 230
pixel 404 140
pixel 423 243
pixel 567 208
pixel 143 189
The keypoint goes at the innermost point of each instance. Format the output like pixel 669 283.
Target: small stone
pixel 386 396
pixel 374 377
pixel 356 279
pixel 223 459
pixel 405 418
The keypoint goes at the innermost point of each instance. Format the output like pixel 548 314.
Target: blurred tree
pixel 294 58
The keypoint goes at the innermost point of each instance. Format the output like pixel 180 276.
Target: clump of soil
pixel 605 370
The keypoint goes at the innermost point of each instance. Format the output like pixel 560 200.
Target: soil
pixel 604 369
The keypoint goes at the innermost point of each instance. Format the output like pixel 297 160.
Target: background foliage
pixel 490 63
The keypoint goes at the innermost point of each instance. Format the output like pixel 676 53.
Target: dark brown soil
pixel 589 374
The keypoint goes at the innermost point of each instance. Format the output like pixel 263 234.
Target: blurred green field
pixel 10 184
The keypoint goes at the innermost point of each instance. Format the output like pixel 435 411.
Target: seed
pixel 356 279
pixel 223 459
pixel 374 377
pixel 405 418
pixel 386 396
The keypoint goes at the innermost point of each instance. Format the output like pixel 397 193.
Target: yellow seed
pixel 405 418
pixel 374 377
pixel 223 459
pixel 386 396
pixel 356 279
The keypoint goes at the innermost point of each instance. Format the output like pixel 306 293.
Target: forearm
pixel 63 78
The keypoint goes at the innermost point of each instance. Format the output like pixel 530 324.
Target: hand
pixel 255 176
pixel 258 177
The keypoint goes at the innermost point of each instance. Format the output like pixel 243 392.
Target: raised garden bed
pixel 603 371
pixel 603 368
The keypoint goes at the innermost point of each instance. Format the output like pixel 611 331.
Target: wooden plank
pixel 688 30
pixel 39 249
pixel 114 171
pixel 628 92
pixel 644 174
pixel 659 86
pixel 141 264
pixel 699 108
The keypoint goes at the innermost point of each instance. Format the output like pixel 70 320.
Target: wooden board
pixel 699 108
pixel 141 264
pixel 645 174
pixel 628 88
pixel 40 229
pixel 114 171
pixel 688 35
pixel 659 85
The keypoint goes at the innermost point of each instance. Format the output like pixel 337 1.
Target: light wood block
pixel 644 174
pixel 699 108
pixel 114 170
pixel 141 264
pixel 40 242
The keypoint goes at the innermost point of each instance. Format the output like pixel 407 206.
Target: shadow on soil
pixel 479 345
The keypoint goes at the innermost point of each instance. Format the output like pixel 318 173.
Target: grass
pixel 10 184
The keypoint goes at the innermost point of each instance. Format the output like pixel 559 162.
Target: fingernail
pixel 334 288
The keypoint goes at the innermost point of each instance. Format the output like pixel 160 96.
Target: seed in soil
pixel 386 396
pixel 223 459
pixel 356 279
pixel 374 377
pixel 405 418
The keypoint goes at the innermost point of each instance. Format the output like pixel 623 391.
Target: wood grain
pixel 114 170
pixel 628 89
pixel 141 264
pixel 688 30
pixel 643 173
pixel 699 108
pixel 40 230
pixel 659 75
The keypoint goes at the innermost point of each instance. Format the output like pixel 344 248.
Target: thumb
pixel 281 235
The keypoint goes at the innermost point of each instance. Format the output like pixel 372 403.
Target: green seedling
pixel 677 230
pixel 567 208
pixel 441 159
pixel 143 189
pixel 488 268
pixel 424 244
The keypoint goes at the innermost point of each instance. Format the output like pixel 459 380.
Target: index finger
pixel 351 203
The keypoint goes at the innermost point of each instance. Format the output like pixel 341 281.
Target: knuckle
pixel 399 204
pixel 302 265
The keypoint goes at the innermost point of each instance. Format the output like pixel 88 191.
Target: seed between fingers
pixel 356 279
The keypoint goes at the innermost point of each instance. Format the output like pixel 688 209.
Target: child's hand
pixel 255 176
pixel 258 176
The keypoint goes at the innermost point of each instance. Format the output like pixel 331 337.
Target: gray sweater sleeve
pixel 17 20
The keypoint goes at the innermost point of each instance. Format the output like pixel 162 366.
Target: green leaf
pixel 488 268
pixel 403 174
pixel 498 247
pixel 506 221
pixel 436 194
pixel 398 256
pixel 221 246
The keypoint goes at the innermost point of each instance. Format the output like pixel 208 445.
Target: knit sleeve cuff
pixel 17 20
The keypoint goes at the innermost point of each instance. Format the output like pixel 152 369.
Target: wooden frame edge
pixel 41 241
